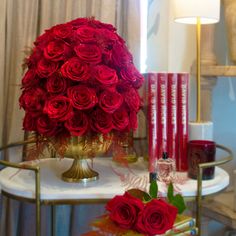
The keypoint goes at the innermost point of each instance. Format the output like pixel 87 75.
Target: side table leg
pixel 199 200
pixel 53 220
pixel 38 204
pixel 38 220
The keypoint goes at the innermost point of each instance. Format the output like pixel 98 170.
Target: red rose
pixel 138 81
pixel 110 101
pixel 120 119
pixel 56 50
pixel 30 79
pixel 124 210
pixel 86 34
pixel 56 84
pixel 32 100
pixel 63 30
pixel 82 97
pixel 101 122
pixel 156 218
pixel 99 24
pixel 123 86
pixel 127 74
pixel 78 22
pixel 75 70
pixel 59 108
pixel 121 57
pixel 78 124
pixel 89 53
pixel 105 75
pixel 46 68
pixel 29 122
pixel 106 39
pixel 47 126
pixel 132 99
pixel 34 58
pixel 132 75
pixel 42 41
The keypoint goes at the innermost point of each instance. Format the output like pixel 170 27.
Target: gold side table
pixel 46 186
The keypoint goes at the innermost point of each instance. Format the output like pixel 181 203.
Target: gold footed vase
pixel 80 171
pixel 81 149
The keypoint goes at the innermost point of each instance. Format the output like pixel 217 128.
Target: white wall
pixel 158 23
pixel 171 46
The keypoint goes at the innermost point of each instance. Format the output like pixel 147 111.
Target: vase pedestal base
pixel 80 171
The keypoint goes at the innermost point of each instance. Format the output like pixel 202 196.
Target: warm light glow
pixel 187 11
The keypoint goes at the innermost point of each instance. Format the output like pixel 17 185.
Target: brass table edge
pixel 56 201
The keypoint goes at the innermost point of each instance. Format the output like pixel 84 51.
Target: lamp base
pixel 201 130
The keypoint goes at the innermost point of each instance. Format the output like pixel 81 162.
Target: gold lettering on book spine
pixel 173 104
pixel 184 103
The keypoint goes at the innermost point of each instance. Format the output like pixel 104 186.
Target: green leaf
pixel 178 202
pixel 146 198
pixel 153 189
pixel 137 193
pixel 175 200
pixel 170 192
pixel 140 194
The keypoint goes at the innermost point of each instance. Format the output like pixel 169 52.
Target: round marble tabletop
pixel 113 180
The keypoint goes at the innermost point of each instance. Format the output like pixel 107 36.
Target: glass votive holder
pixel 201 151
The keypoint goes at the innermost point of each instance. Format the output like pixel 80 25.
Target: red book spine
pixel 152 121
pixel 172 146
pixel 162 111
pixel 182 121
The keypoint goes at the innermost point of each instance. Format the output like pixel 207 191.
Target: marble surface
pixel 113 180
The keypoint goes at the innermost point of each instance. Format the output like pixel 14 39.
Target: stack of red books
pixel 168 118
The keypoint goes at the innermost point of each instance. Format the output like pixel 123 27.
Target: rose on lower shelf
pixel 153 217
pixel 140 213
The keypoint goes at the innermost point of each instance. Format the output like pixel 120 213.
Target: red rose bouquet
pixel 81 80
pixel 140 213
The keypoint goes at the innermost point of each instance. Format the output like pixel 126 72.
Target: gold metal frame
pixel 199 181
pixel 36 170
pixel 39 202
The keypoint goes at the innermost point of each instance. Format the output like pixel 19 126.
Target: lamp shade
pixel 187 11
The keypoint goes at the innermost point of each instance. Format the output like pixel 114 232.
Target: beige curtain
pixel 20 23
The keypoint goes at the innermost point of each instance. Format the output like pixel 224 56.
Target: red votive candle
pixel 201 151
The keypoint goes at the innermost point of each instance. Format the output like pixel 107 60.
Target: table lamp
pixel 198 12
